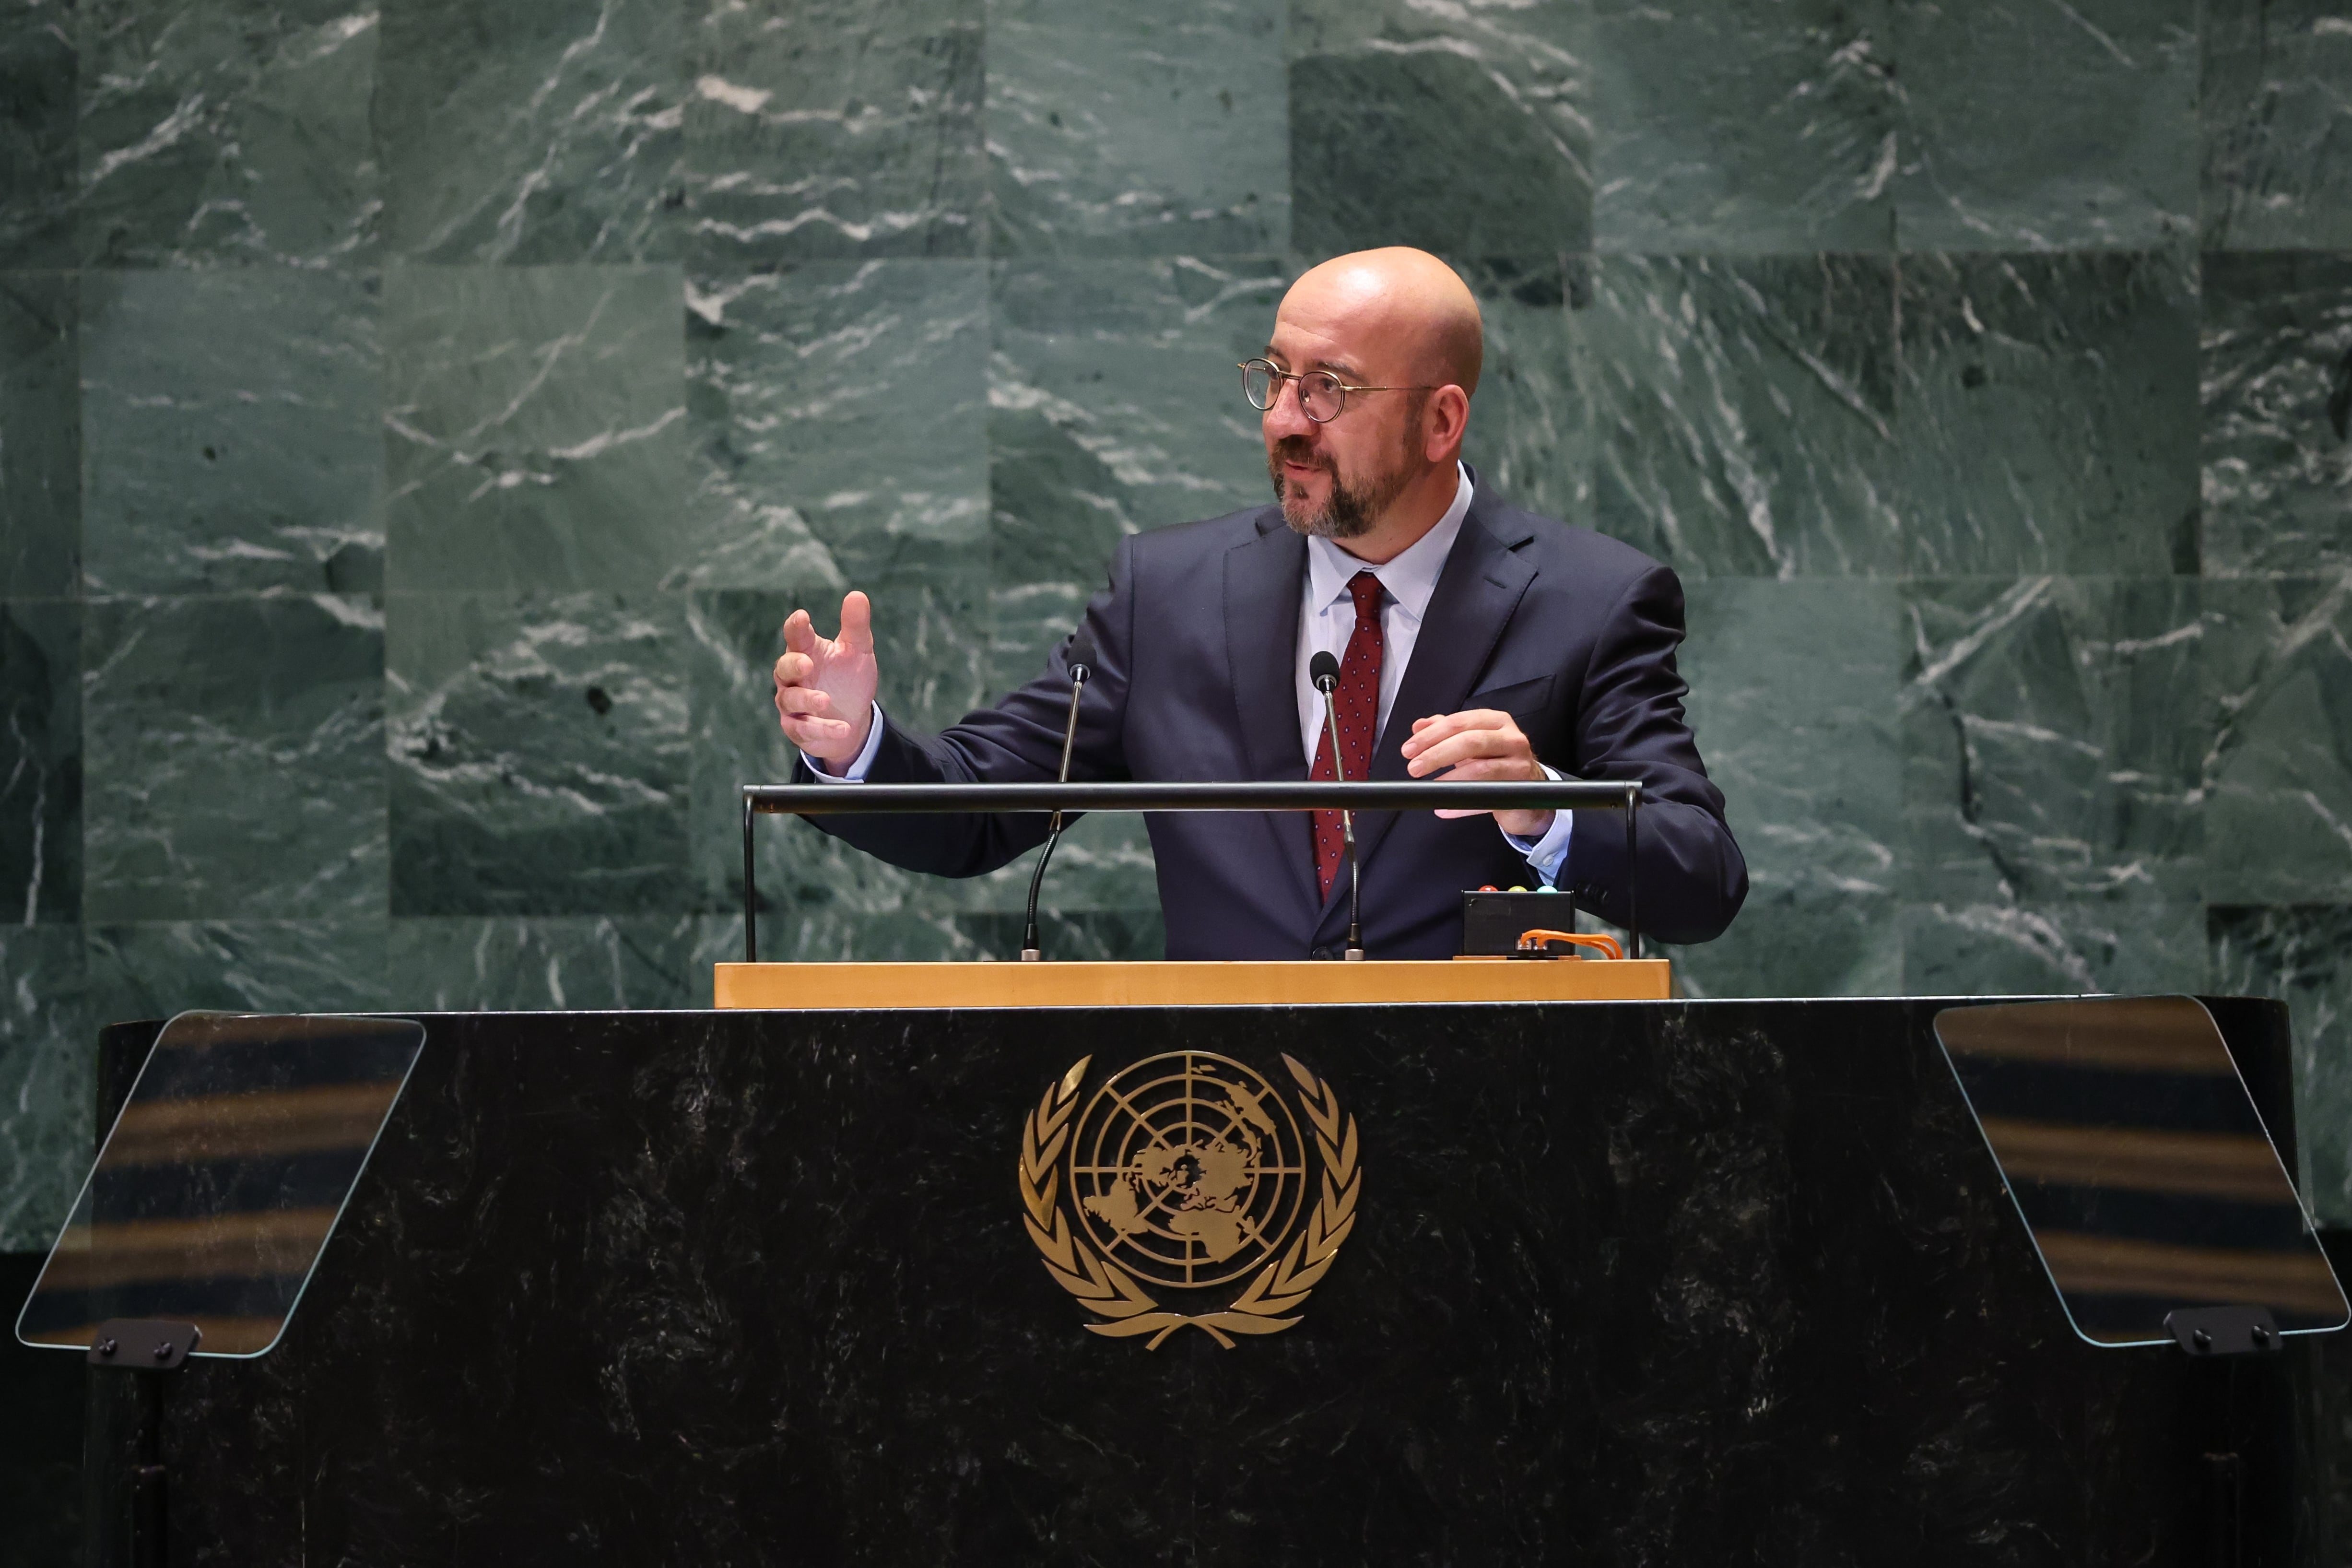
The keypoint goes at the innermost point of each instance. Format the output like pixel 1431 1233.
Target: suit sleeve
pixel 1691 877
pixel 1019 741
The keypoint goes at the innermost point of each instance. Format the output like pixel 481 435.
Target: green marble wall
pixel 415 422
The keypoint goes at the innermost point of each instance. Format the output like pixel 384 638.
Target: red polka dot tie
pixel 1358 701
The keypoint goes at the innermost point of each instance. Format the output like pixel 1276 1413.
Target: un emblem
pixel 1188 1172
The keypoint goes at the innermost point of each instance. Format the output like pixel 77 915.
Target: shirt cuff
pixel 856 772
pixel 1548 854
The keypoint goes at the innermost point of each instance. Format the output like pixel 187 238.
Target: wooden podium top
pixel 1065 984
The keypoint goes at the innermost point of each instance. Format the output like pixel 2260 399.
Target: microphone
pixel 1324 671
pixel 1080 658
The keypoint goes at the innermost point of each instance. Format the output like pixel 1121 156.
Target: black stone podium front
pixel 1669 1283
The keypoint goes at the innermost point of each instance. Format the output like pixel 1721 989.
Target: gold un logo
pixel 1188 1172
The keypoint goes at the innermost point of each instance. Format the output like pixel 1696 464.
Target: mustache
pixel 1297 449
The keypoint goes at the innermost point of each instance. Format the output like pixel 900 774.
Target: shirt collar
pixel 1410 578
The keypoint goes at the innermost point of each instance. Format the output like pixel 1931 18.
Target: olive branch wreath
pixel 1111 1293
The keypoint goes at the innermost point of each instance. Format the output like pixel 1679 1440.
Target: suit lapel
pixel 1265 580
pixel 1477 593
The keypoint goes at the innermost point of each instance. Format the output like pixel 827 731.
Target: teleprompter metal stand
pixel 2225 1330
pixel 211 1200
pixel 151 1347
pixel 1046 799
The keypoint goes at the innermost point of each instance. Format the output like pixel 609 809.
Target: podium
pixel 1371 983
pixel 1618 1281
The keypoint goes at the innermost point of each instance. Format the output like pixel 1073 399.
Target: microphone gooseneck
pixel 1324 670
pixel 1080 661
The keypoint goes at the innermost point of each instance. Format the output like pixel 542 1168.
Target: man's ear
pixel 1443 420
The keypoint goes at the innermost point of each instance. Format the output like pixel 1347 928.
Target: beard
pixel 1352 509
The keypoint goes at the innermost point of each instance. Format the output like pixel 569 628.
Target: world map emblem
pixel 1189 1172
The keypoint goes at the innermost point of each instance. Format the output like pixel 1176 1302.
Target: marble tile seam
pixel 709 287
pixel 360 605
pixel 276 593
pixel 700 272
pixel 1602 123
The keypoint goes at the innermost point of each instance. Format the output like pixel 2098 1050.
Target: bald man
pixel 1474 641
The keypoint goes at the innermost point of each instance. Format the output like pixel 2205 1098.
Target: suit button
pixel 1330 953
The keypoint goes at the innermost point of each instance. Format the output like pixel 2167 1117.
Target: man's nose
pixel 1288 414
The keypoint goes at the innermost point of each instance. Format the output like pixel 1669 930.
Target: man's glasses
pixel 1320 394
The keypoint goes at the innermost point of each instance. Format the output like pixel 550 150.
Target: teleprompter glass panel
pixel 223 1177
pixel 2134 1152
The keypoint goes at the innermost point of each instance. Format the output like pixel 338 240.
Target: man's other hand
pixel 1481 746
pixel 824 685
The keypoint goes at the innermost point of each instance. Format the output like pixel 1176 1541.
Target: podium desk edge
pixel 853 986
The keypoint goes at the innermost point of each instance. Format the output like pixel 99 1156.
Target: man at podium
pixel 1473 641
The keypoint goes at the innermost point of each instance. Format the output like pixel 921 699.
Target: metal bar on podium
pixel 750 893
pixel 933 799
pixel 1632 868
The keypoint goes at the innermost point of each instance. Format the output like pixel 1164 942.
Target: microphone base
pixel 1031 955
pixel 1355 955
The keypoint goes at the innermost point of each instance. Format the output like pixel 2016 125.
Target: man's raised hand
pixel 824 685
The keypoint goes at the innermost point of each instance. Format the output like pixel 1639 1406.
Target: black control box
pixel 1492 922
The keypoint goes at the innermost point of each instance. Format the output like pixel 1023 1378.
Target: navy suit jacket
pixel 1196 638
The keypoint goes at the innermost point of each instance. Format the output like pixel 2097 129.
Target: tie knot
pixel 1366 588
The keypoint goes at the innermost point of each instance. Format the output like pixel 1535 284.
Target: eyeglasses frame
pixel 1281 375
